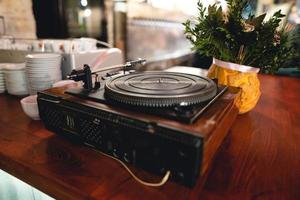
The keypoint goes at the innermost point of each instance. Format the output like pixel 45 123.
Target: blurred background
pixel 150 29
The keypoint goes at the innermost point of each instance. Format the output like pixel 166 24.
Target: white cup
pixel 62 46
pixel 30 107
pixel 89 44
pixel 38 46
pixel 48 45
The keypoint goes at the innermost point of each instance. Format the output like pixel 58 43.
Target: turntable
pixel 158 121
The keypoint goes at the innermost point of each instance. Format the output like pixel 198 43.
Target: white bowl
pixel 30 107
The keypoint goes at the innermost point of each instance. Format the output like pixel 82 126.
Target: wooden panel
pixel 215 140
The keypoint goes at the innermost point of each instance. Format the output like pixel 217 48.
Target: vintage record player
pixel 154 120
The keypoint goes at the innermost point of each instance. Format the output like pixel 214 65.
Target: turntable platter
pixel 160 89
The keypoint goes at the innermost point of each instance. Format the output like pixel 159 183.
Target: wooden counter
pixel 259 159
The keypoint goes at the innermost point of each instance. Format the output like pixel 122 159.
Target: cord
pixel 104 44
pixel 162 182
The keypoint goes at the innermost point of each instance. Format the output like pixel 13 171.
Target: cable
pixel 104 44
pixel 162 182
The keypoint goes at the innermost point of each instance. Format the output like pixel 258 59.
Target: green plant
pixel 249 41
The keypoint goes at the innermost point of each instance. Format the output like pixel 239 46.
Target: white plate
pixel 43 56
pixel 22 93
pixel 14 67
pixel 39 61
pixel 28 64
pixel 21 83
pixel 13 89
pixel 43 67
pixel 42 77
pixel 43 70
pixel 17 87
pixel 13 75
pixel 43 60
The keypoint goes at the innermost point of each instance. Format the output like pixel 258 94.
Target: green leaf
pixel 213 35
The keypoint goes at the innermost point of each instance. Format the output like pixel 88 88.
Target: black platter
pixel 160 89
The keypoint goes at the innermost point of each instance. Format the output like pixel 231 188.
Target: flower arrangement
pixel 248 41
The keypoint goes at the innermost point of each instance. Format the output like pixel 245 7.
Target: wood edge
pixel 214 143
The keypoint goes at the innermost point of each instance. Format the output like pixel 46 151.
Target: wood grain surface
pixel 259 159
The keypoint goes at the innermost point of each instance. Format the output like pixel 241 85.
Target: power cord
pixel 162 182
pixel 104 44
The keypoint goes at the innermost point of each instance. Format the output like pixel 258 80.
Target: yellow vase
pixel 247 81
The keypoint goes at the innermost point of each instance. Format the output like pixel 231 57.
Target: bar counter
pixel 259 158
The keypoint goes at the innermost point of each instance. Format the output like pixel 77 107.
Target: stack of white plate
pixel 2 78
pixel 42 71
pixel 15 79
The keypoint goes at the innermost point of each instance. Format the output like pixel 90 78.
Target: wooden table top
pixel 259 159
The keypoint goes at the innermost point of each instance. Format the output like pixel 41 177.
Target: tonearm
pixel 85 74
